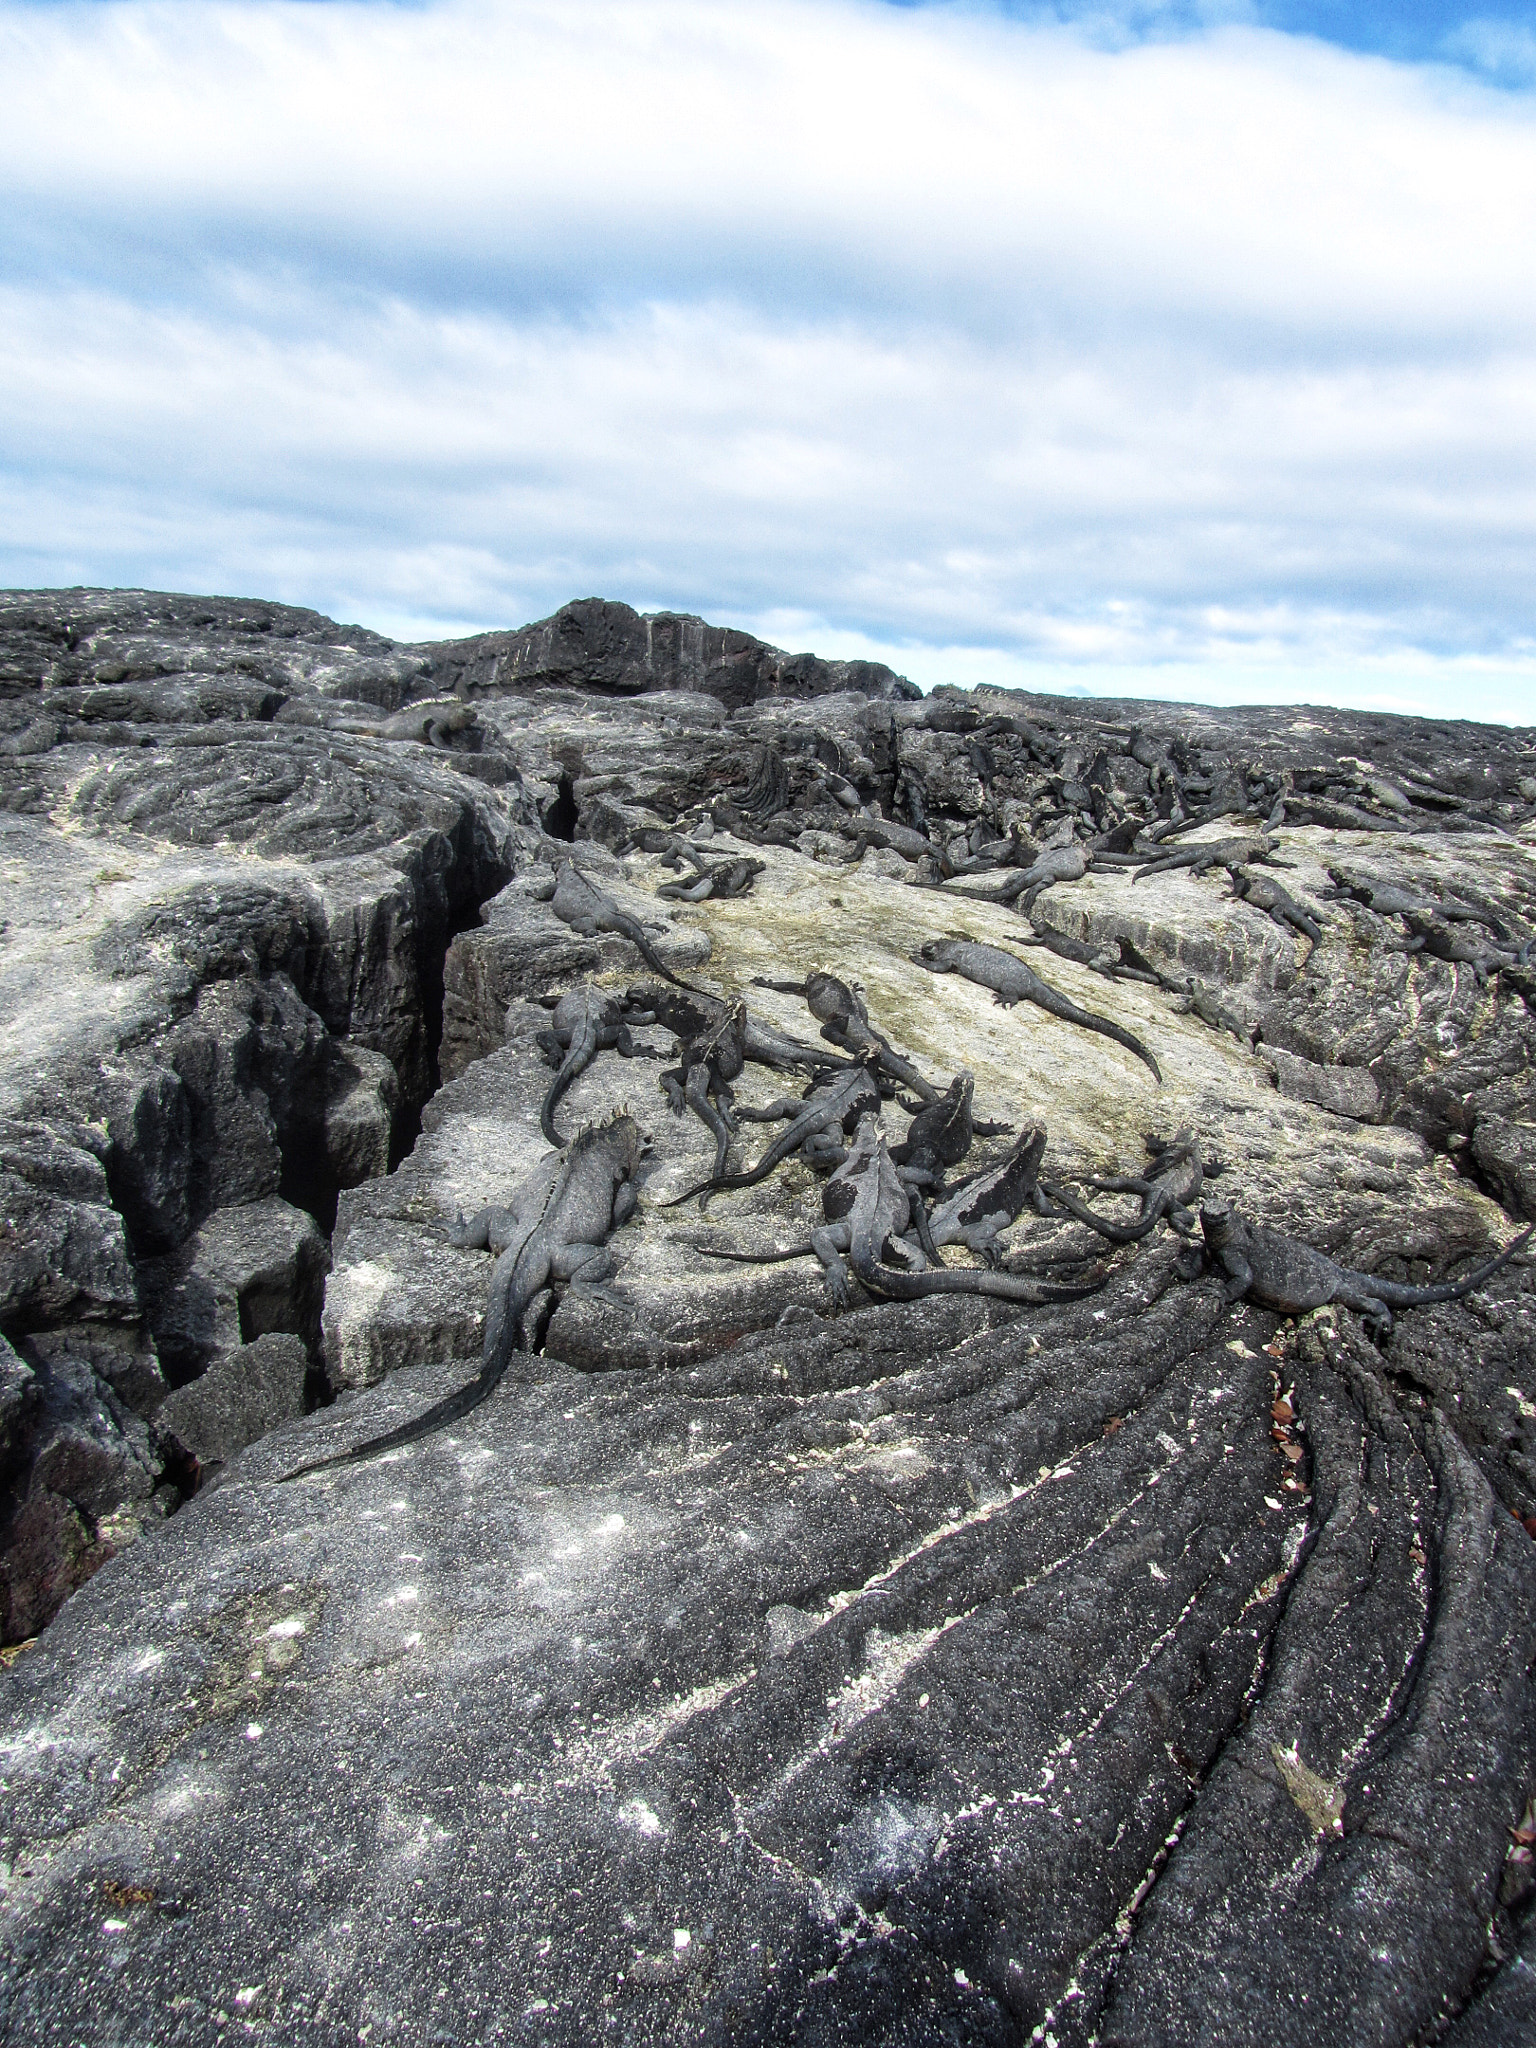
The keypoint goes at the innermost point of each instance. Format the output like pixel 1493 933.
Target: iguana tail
pixel 881 1279
pixel 749 1179
pixel 1116 1233
pixel 799 1251
pixel 1063 1007
pixel 1165 866
pixel 577 1060
pixel 777 1152
pixel 449 1409
pixel 502 1319
pixel 1395 1295
pixel 629 929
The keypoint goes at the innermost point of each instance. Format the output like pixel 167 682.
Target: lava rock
pixel 1347 1091
pixel 752 1663
pixel 245 1393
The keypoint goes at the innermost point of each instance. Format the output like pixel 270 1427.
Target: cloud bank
pixel 1199 366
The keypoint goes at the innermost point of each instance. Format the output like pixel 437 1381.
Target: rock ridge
pixel 768 1657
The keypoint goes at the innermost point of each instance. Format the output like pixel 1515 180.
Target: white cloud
pixel 1204 360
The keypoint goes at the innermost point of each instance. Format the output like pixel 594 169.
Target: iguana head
pixel 828 997
pixel 938 954
pixel 1219 1222
pixel 632 1142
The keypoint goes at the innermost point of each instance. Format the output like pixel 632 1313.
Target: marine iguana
pixel 844 1021
pixel 1241 851
pixel 891 1214
pixel 1067 863
pixel 727 878
pixel 941 1134
pixel 972 1215
pixel 985 1203
pixel 1169 1191
pixel 1386 899
pixel 838 1102
pixel 1282 1273
pixel 1013 982
pixel 586 1022
pixel 1427 934
pixel 692 1014
pixel 1108 958
pixel 1267 895
pixel 1197 998
pixel 555 1229
pixel 578 902
pixel 714 1042
pixel 911 844
pixel 867 1239
pixel 708 1061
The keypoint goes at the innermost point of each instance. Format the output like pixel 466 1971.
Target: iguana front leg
pixel 783 1109
pixel 488 1230
pixel 829 1241
pixel 1239 1276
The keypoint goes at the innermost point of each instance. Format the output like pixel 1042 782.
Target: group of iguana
pixel 887 1210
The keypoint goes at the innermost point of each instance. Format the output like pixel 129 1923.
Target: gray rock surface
pixel 246 1392
pixel 246 1271
pixel 1139 1668
pixel 1347 1091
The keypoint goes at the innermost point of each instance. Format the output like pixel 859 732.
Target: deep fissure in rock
pixel 560 817
pixel 463 917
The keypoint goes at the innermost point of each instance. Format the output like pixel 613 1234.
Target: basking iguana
pixel 1388 900
pixel 708 1062
pixel 903 839
pixel 1013 982
pixel 692 1015
pixel 555 1229
pixel 1267 895
pixel 586 1022
pixel 1196 998
pixel 727 878
pixel 1282 1273
pixel 714 1042
pixel 578 902
pixel 976 1210
pixel 831 1105
pixel 844 1021
pixel 941 1133
pixel 890 1214
pixel 867 1239
pixel 1428 934
pixel 1241 851
pixel 1170 1190
pixel 1107 958
pixel 971 1216
pixel 1067 863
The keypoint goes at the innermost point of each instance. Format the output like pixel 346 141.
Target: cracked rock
pixel 1075 1652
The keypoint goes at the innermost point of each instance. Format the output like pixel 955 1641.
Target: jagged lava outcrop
pixel 1077 1651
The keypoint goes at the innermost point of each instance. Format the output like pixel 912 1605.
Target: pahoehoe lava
pixel 1034 1544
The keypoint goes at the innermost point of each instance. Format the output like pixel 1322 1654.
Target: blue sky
pixel 1181 350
